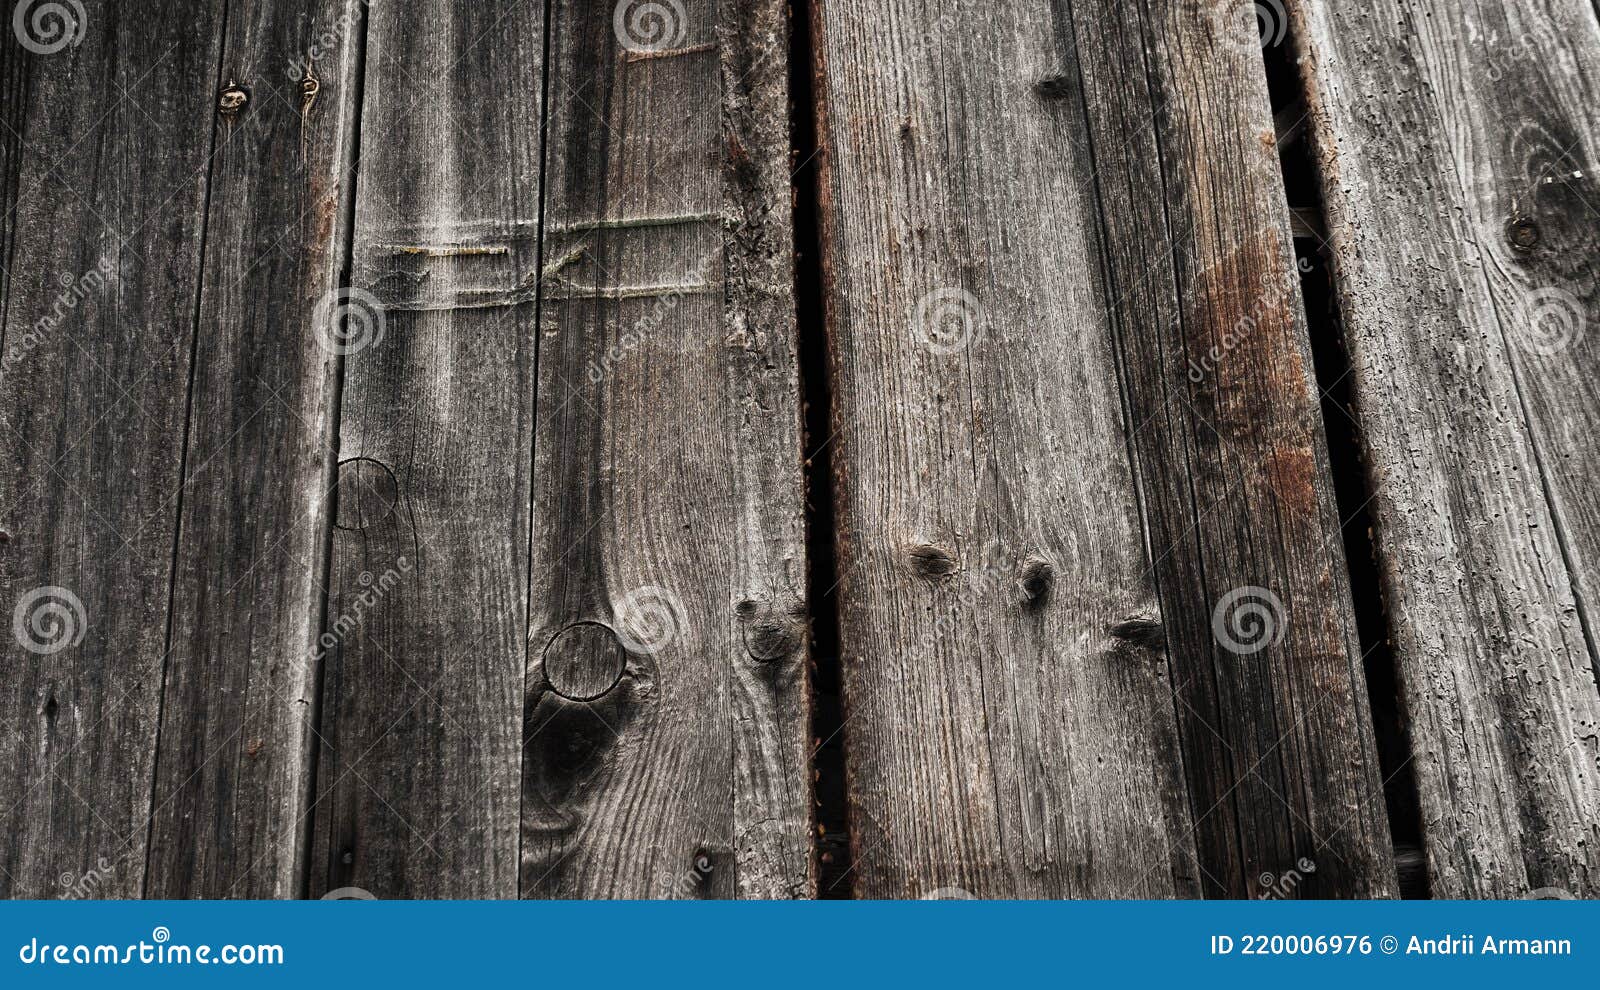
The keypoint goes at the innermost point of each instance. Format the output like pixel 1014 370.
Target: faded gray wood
pixel 419 735
pixel 232 786
pixel 1473 362
pixel 1227 435
pixel 109 192
pixel 1009 710
pixel 667 478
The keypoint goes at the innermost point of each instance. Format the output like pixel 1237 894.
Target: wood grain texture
pixel 99 317
pixel 1227 435
pixel 233 769
pixel 667 479
pixel 1473 352
pixel 419 744
pixel 1009 708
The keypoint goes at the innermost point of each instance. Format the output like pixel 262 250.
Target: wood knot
pixel 1141 630
pixel 1522 232
pixel 1035 578
pixel 1054 87
pixel 770 633
pixel 232 99
pixel 367 493
pixel 584 661
pixel 931 561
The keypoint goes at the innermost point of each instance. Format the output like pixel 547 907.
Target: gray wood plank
pixel 420 729
pixel 99 319
pixel 1009 712
pixel 232 785
pixel 1227 435
pixel 1456 144
pixel 667 525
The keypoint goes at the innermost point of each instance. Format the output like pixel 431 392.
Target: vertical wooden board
pixel 1009 712
pixel 417 788
pixel 666 713
pixel 1227 435
pixel 1456 148
pixel 100 314
pixel 233 766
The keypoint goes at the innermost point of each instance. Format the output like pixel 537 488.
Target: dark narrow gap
pixel 183 448
pixel 533 371
pixel 358 80
pixel 827 711
pixel 1352 486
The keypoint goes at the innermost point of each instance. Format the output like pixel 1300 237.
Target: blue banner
pixel 811 945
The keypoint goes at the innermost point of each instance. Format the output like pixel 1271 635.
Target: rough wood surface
pixel 1227 434
pixel 103 275
pixel 1009 709
pixel 232 772
pixel 667 524
pixel 419 735
pixel 1457 152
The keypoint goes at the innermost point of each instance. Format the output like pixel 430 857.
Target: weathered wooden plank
pixel 233 769
pixel 1227 435
pixel 1006 627
pixel 1009 713
pixel 420 724
pixel 1456 144
pixel 99 319
pixel 668 558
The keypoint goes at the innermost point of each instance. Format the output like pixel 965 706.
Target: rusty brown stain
pixel 1292 472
